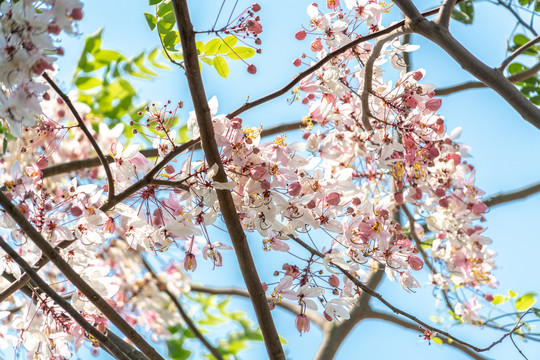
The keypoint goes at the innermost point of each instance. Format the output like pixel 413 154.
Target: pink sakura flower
pixel 302 323
pixel 210 251
pixel 190 262
pixel 332 4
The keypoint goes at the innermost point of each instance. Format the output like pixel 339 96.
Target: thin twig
pixel 519 194
pixel 163 287
pixel 521 76
pixel 518 52
pixel 82 125
pixel 518 18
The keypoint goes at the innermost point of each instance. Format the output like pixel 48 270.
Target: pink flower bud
pixel 76 211
pixel 256 7
pixel 169 169
pixel 444 202
pixel 265 185
pixel 415 262
pixel 254 26
pixel 488 297
pixel 190 262
pixel 305 101
pixel 479 208
pixel 333 199
pixel 433 104
pixel 440 192
pixel 433 152
pixel 300 35
pixel 252 69
pixel 302 323
pixel 398 197
pixel 257 172
pixel 77 14
pixel 294 189
pixel 265 286
pixel 297 62
pixel 356 201
pixel 333 281
pixel 42 162
pixel 236 123
pixel 417 75
pixel 54 29
pixel 455 157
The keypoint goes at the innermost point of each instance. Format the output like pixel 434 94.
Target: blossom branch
pixel 86 132
pixel 443 19
pixel 491 77
pixel 518 52
pixel 414 327
pixel 502 198
pixel 149 153
pixel 76 279
pixel 226 203
pixel 396 310
pixel 368 75
pixel 524 75
pixel 163 287
pixel 292 308
pixel 102 338
pixel 320 64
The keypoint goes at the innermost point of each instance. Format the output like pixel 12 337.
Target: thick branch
pixel 77 281
pixel 86 132
pixel 102 338
pixel 163 287
pixel 491 77
pixel 414 327
pixel 444 13
pixel 502 198
pixel 292 308
pixel 524 75
pixel 226 203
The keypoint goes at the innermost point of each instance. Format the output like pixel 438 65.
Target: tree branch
pixel 443 19
pixel 93 162
pixel 414 327
pixel 518 52
pixel 163 287
pixel 368 75
pixel 519 194
pixel 518 18
pixel 76 280
pixel 396 310
pixel 86 132
pixel 290 307
pixel 327 58
pixel 491 77
pixel 524 75
pixel 226 203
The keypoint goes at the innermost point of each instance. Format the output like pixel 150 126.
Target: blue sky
pixel 504 149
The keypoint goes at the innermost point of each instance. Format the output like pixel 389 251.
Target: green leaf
pixel 152 58
pixel 227 44
pixel 525 302
pixel 150 20
pixel 154 2
pixel 85 83
pixel 535 100
pixel 212 47
pixel 171 39
pixel 164 8
pixel 221 66
pixel 520 39
pixel 108 56
pixel 93 42
pixel 437 340
pixel 499 299
pixel 241 52
pixel 465 13
pixel 512 293
pixel 209 61
pixel 515 68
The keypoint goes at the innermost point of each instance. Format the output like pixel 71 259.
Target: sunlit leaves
pixel 464 12
pixel 221 66
pixel 525 302
pixel 530 87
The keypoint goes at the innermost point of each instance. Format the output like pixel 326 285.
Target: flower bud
pixel 190 262
pixel 252 69
pixel 256 7
pixel 415 262
pixel 333 281
pixel 300 35
pixel 302 323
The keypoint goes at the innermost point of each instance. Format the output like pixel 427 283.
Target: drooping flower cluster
pixel 26 51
